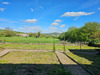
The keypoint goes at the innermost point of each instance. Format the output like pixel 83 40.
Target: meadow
pixel 27 40
pixel 45 47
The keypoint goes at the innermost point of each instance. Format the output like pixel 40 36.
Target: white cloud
pixel 58 21
pixel 21 28
pixel 74 14
pixel 76 18
pixel 33 27
pixel 52 29
pixel 99 8
pixel 32 9
pixel 30 20
pixel 2 9
pixel 6 20
pixel 62 26
pixel 55 24
pixel 5 3
pixel 30 29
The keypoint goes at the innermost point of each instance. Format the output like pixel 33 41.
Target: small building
pixel 23 35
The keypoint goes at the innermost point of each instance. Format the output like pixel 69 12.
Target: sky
pixel 47 16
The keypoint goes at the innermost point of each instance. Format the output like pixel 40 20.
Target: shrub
pixel 9 33
pixel 92 42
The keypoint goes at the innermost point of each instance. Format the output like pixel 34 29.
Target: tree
pixel 72 28
pixel 39 34
pixel 32 34
pixel 8 29
pixel 91 28
pixel 88 31
pixel 9 32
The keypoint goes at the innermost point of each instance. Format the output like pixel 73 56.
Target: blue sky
pixel 47 15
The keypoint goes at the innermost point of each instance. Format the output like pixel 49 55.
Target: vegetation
pixel 89 31
pixel 91 62
pixel 8 32
pixel 30 58
pixel 31 62
pixel 44 47
pixel 28 40
pixel 32 34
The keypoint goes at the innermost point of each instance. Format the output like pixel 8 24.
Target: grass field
pixel 29 63
pixel 28 40
pixel 91 62
pixel 44 47
pixel 30 58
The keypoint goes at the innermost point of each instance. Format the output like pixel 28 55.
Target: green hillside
pixel 1 30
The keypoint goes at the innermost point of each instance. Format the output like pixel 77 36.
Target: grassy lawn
pixel 29 63
pixel 28 40
pixel 44 47
pixel 30 58
pixel 91 62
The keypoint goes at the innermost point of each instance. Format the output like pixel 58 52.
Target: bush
pixel 9 33
pixel 32 34
pixel 92 42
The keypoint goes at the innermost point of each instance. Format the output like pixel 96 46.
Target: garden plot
pixel 89 61
pixel 29 63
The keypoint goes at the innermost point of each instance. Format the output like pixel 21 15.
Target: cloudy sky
pixel 47 15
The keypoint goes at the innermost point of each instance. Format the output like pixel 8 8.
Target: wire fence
pixel 39 43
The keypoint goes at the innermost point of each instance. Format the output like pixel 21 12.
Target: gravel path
pixel 70 65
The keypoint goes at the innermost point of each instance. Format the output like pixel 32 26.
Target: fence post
pixel 4 40
pixel 53 44
pixel 64 41
pixel 80 45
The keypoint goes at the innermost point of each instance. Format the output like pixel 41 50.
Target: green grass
pixel 30 58
pixel 91 62
pixel 28 40
pixel 39 63
pixel 45 47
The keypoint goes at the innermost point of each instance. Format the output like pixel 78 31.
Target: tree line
pixel 90 31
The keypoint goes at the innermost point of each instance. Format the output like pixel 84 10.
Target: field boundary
pixel 11 50
pixel 44 44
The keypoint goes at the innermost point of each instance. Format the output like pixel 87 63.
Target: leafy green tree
pixel 9 33
pixel 39 34
pixel 72 28
pixel 32 34
pixel 88 31
pixel 8 29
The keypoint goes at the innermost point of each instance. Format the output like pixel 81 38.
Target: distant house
pixel 23 35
